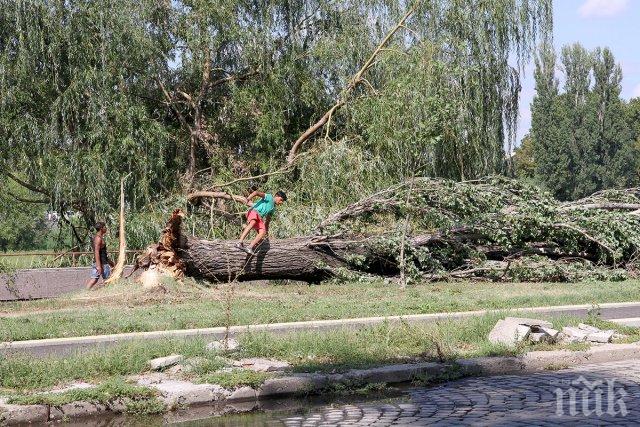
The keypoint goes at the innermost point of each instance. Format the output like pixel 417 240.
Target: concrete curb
pixel 181 393
pixel 62 346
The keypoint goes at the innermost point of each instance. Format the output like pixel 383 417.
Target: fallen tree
pixel 494 229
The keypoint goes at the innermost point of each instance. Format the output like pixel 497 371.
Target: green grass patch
pixel 137 399
pixel 308 351
pixel 236 378
pixel 198 307
pixel 28 373
pixel 312 351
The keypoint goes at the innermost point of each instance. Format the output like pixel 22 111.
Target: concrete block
pixel 538 337
pixel 232 344
pixel 601 336
pixel 553 333
pixel 165 362
pixel 285 386
pixel 82 409
pixel 186 393
pixel 23 414
pixel 262 365
pixel 509 332
pixel 243 394
pixel 588 328
pixel 573 334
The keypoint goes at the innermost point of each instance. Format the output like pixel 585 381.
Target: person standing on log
pixel 102 264
pixel 258 217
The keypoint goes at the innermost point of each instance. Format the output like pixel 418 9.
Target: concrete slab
pixel 630 321
pixel 509 332
pixel 175 392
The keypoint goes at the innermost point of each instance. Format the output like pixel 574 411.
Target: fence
pixel 23 260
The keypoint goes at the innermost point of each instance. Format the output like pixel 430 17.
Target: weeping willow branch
pixel 353 83
pixel 216 195
pixel 27 185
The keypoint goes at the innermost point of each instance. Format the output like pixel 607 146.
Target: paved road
pixel 604 394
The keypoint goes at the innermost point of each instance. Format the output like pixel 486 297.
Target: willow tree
pixel 74 114
pixel 442 96
pixel 244 77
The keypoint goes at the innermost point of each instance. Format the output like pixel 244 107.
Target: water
pixel 265 413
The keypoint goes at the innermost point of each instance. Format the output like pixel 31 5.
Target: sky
pixel 611 23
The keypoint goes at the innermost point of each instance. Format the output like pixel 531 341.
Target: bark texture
pixel 296 258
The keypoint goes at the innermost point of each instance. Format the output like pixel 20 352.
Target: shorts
pixel 259 222
pixel 106 271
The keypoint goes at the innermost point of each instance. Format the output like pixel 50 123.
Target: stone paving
pixel 602 394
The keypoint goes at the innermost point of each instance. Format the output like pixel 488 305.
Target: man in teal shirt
pixel 258 217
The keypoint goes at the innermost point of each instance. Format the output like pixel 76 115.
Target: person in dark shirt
pixel 102 264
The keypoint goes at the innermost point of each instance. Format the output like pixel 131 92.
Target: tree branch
pixel 604 206
pixel 171 104
pixel 25 200
pixel 353 83
pixel 216 195
pixel 27 185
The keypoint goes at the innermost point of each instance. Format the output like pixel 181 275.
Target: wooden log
pixel 310 259
pixel 297 259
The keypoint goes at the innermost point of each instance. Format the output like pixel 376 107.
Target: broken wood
pixel 117 271
pixel 216 195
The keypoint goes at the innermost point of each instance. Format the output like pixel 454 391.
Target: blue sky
pixel 611 23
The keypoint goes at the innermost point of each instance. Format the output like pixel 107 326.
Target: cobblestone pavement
pixel 603 394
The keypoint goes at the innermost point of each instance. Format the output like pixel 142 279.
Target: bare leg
pixel 91 283
pixel 258 239
pixel 247 229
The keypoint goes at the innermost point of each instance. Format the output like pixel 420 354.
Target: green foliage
pixel 22 225
pixel 166 89
pixel 524 163
pixel 583 138
pixel 514 220
pixel 236 378
pixel 137 399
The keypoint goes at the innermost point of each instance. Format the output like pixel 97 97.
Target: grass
pixel 307 351
pixel 386 344
pixel 137 400
pixel 13 260
pixel 195 306
pixel 28 374
pixel 235 378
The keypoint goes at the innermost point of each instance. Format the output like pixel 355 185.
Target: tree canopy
pixel 190 93
pixel 584 136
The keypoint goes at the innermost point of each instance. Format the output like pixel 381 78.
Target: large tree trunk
pixel 310 259
pixel 298 259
